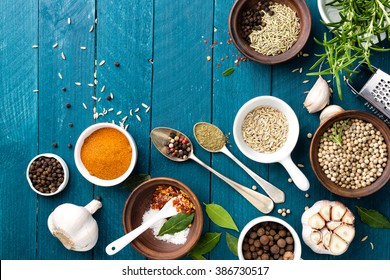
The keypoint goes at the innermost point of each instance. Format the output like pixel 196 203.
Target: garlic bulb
pixel 318 97
pixel 330 111
pixel 328 227
pixel 74 225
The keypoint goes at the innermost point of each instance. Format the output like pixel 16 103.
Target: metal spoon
pixel 273 192
pixel 167 211
pixel 159 137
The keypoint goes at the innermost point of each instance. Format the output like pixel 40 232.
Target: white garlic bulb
pixel 318 97
pixel 330 111
pixel 328 227
pixel 74 225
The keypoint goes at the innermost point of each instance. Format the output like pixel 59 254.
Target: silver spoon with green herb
pixel 212 139
pixel 177 147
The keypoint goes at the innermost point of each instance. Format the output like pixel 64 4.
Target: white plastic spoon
pixel 167 211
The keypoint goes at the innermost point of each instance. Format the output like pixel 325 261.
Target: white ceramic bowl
pixel 255 221
pixel 64 166
pixel 83 170
pixel 283 155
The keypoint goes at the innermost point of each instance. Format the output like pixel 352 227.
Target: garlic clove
pixel 338 212
pixel 330 111
pixel 328 237
pixel 346 232
pixel 318 97
pixel 316 221
pixel 325 212
pixel 337 245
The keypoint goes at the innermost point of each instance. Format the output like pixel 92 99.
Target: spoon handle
pixel 261 202
pixel 274 193
pixel 117 245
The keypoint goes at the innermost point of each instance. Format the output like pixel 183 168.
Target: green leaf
pixel 373 218
pixel 232 243
pixel 220 216
pixel 134 181
pixel 206 243
pixel 176 223
pixel 228 71
pixel 198 257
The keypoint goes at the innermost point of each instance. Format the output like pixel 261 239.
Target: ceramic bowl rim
pixel 255 221
pixel 82 169
pixel 292 137
pixel 126 222
pixel 64 166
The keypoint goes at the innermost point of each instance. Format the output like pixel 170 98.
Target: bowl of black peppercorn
pixel 251 16
pixel 47 174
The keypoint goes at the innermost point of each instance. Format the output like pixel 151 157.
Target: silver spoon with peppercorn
pixel 212 139
pixel 176 146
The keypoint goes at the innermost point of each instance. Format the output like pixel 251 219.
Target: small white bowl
pixel 255 221
pixel 83 170
pixel 64 166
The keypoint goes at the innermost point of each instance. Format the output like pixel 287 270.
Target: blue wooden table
pixel 163 48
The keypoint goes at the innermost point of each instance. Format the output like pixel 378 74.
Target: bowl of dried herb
pixel 269 32
pixel 105 154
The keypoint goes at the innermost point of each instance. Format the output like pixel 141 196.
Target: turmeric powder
pixel 106 153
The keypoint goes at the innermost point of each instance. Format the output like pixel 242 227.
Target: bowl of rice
pixel 260 31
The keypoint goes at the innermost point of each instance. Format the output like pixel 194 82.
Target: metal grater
pixel 374 89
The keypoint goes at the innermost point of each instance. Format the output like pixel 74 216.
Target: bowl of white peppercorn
pixel 269 238
pixel 47 174
pixel 349 154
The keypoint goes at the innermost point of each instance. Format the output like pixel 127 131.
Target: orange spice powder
pixel 106 153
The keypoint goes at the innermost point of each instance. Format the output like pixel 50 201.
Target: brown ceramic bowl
pixel 240 6
pixel 146 244
pixel 325 181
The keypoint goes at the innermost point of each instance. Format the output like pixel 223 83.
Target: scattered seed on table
pixel 63 89
pixel 300 165
pixel 55 45
pixel 94 97
pixel 372 246
pixel 328 81
pixel 103 88
pixel 306 92
pixel 85 106
pixel 63 55
pixel 96 21
pixel 54 144
pixel 300 70
pixel 111 95
pixel 136 110
pixel 77 83
pixel 70 124
pixel 208 58
pixel 101 63
pixel 254 187
pixel 67 105
pixel 110 109
pixel 307 195
pixel 116 63
pixel 138 118
pixel 99 99
pixel 60 75
pixel 69 20
pixel 305 81
pixel 127 125
pixel 34 46
pixel 364 238
pixel 295 70
pixel 124 119
pixel 35 90
pixel 150 60
pixel 95 81
pixel 70 146
pixel 131 112
pixel 144 105
pixel 288 211
pixel 92 27
pixel 147 109
pixel 289 180
pixel 309 135
pixel 83 48
pixel 284 214
pixel 305 55
pixel 91 85
pixel 118 113
pixel 306 208
pixel 280 211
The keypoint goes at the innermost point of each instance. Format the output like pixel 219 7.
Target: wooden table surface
pixel 162 47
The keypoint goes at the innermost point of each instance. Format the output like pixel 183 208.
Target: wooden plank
pixel 18 123
pixel 182 84
pixel 120 39
pixel 53 114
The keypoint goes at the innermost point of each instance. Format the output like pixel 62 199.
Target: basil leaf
pixel 228 72
pixel 373 218
pixel 206 244
pixel 198 257
pixel 134 181
pixel 232 243
pixel 220 216
pixel 176 223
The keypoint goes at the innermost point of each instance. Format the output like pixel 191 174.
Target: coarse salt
pixel 176 238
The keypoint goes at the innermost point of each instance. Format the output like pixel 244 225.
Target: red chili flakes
pixel 229 41
pixel 215 42
pixel 218 65
pixel 205 41
pixel 164 193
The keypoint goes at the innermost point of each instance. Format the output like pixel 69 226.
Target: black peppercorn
pixel 67 105
pixel 70 124
pixel 54 144
pixel 108 97
pixel 116 63
pixel 64 89
pixel 70 146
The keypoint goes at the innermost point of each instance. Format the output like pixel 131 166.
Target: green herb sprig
pixel 362 21
pixel 337 133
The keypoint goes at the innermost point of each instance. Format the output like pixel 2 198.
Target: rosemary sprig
pixel 362 21
pixel 337 133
